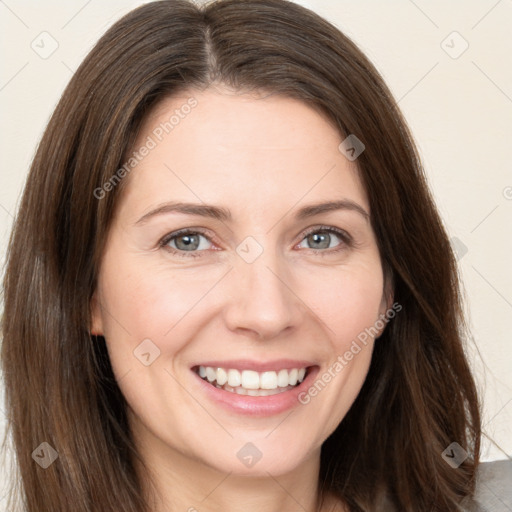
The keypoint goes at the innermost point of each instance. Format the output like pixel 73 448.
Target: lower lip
pixel 256 405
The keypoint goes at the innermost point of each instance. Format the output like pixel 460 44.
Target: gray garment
pixel 493 488
pixel 493 491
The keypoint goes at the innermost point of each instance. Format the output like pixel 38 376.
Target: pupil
pixel 321 238
pixel 188 241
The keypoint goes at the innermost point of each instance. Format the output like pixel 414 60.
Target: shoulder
pixel 493 487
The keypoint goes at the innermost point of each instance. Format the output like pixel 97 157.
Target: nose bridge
pixel 262 300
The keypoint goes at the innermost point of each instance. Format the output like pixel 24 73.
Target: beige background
pixel 458 103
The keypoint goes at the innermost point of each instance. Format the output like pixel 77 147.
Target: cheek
pixel 349 302
pixel 153 302
pixel 139 298
pixel 350 307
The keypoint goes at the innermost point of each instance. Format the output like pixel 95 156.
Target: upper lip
pixel 257 366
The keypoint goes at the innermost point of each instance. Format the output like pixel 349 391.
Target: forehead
pixel 243 150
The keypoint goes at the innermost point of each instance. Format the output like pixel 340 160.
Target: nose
pixel 263 301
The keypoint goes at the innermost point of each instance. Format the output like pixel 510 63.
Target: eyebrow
pixel 224 214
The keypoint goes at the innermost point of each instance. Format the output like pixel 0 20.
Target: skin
pixel 263 157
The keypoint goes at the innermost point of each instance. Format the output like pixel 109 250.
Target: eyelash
pixel 343 235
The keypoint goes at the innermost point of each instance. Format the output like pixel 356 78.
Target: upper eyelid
pixel 185 231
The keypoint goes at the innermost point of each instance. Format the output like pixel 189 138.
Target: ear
pixel 96 327
pixel 387 299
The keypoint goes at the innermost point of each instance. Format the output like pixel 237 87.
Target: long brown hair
pixel 419 395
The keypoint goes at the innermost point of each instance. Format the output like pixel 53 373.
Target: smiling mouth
pixel 252 383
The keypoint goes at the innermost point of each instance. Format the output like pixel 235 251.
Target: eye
pixel 188 243
pixel 321 238
pixel 185 243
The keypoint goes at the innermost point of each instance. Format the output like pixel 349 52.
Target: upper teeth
pixel 250 379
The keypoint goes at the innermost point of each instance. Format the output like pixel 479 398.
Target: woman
pixel 228 285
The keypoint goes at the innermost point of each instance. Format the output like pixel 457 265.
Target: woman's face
pixel 255 289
